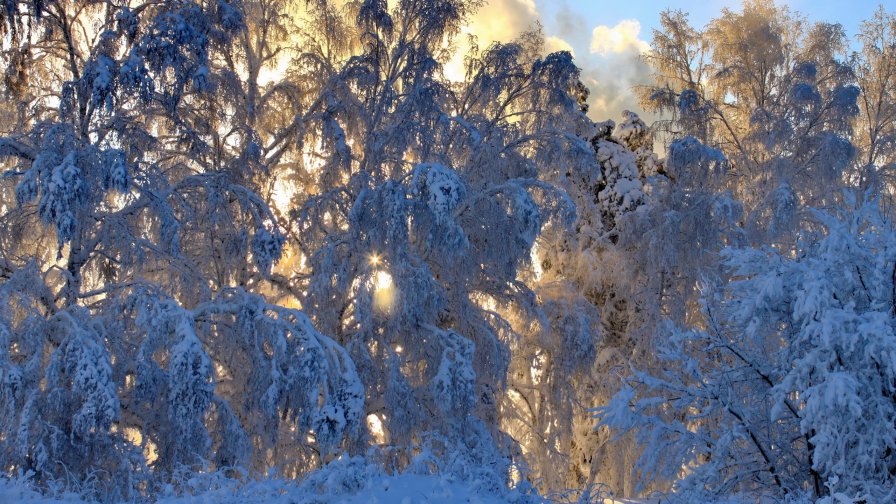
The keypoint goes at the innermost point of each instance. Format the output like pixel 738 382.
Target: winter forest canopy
pixel 272 240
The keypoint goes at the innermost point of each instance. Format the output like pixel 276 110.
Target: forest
pixel 270 248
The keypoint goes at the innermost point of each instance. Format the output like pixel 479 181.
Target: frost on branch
pixel 798 384
pixel 624 190
pixel 58 393
pixel 270 381
pixel 441 187
pixel 267 247
pixel 189 392
pixel 701 161
pixel 454 381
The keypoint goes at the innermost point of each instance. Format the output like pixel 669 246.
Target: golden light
pixel 287 185
pixel 537 368
pixel 375 427
pixel 135 437
pixel 382 280
pixel 485 301
pixel 384 290
pixel 282 193
pixel 535 258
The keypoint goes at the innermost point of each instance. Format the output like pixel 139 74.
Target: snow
pixel 474 267
pixel 380 489
pixel 412 488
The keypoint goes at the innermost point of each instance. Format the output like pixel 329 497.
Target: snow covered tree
pixel 596 309
pixel 411 206
pixel 787 388
pixel 876 76
pixel 131 324
pixel 421 203
pixel 775 95
pixel 114 156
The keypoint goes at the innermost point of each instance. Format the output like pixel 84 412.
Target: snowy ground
pixel 404 489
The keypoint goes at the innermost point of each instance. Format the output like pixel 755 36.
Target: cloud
pixel 608 56
pixel 496 21
pixel 505 20
pixel 622 38
pixel 613 67
pixel 572 25
pixel 554 44
pixel 502 20
pixel 611 84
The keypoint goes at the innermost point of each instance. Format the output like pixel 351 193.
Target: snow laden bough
pixel 402 287
pixel 796 395
pixel 128 398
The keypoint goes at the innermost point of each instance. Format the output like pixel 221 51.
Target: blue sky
pixel 600 12
pixel 606 37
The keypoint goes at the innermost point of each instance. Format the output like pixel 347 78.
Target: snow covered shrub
pixel 149 390
pixel 244 384
pixel 788 385
pixel 58 396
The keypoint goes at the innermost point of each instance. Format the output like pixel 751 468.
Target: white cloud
pixel 502 20
pixel 609 56
pixel 622 38
pixel 554 44
pixel 614 67
pixel 496 21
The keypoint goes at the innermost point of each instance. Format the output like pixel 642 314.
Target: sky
pixel 606 37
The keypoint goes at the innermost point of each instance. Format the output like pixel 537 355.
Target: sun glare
pixel 382 280
pixel 375 427
pixel 282 194
pixel 384 291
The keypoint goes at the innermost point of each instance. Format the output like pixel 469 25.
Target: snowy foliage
pixel 796 394
pixel 715 406
pixel 426 205
pixel 62 428
pixel 624 190
pixel 269 249
pixel 154 176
